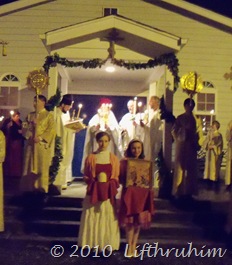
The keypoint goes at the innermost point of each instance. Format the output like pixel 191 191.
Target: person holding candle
pixel 67 139
pixel 105 121
pixel 213 145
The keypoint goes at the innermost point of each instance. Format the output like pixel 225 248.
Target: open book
pixel 76 125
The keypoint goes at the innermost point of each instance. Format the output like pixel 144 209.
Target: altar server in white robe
pixel 129 124
pixel 228 174
pixel 67 137
pixel 39 132
pixel 153 130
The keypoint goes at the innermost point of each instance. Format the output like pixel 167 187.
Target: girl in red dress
pixel 99 225
pixel 136 202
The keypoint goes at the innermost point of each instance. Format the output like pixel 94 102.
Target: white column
pixel 53 79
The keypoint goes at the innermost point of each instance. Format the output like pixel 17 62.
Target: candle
pixel 140 109
pixel 84 116
pixel 73 115
pixel 211 116
pixel 79 110
pixel 146 116
pixel 135 106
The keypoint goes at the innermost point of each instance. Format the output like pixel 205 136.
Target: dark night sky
pixel 220 6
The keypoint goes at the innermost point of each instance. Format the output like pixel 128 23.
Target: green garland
pixel 57 158
pixel 54 100
pixel 166 59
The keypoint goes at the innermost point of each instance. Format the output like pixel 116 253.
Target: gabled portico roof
pixel 132 35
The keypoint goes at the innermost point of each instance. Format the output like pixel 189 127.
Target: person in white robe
pixel 39 132
pixel 2 157
pixel 129 125
pixel 67 137
pixel 228 174
pixel 213 145
pixel 104 120
pixel 153 130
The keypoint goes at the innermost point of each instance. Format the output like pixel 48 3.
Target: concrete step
pixel 59 219
pixel 67 228
pixel 61 213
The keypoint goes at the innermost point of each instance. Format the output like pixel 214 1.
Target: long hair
pixel 128 152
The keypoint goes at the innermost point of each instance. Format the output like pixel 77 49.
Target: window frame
pixel 209 117
pixel 13 82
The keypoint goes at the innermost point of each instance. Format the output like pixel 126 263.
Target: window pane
pixel 201 97
pixel 210 107
pixel 9 96
pixel 200 106
pixel 210 98
pixel 205 102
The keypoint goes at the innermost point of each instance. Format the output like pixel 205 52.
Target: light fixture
pixel 110 69
pixel 4 43
pixel 112 37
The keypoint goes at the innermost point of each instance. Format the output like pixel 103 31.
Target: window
pixel 205 102
pixel 9 94
pixel 10 78
pixel 110 11
pixel 206 105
